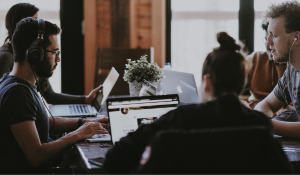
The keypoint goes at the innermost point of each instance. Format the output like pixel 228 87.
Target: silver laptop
pixel 127 114
pixel 188 94
pixel 183 84
pixel 77 110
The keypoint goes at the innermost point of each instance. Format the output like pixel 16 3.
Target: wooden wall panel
pixel 144 38
pixel 140 24
pixel 144 16
pixel 90 43
pixel 122 23
pixel 158 31
pixel 103 23
pixel 120 34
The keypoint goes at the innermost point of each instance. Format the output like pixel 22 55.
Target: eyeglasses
pixel 57 52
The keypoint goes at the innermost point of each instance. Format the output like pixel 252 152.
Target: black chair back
pixel 215 151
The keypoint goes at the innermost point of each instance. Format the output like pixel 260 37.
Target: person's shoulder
pixel 15 84
pixel 257 56
pixel 193 107
pixel 181 110
pixel 189 110
pixel 19 89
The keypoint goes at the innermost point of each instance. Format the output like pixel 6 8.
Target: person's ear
pixel 208 85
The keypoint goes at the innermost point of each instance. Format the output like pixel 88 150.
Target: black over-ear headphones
pixel 35 53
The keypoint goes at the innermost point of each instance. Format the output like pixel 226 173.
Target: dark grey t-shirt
pixel 288 88
pixel 19 102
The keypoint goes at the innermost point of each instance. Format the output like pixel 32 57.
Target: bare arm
pixel 55 98
pixel 287 129
pixel 269 105
pixel 36 152
pixel 70 124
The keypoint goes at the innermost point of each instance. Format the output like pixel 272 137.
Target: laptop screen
pixel 181 83
pixel 107 85
pixel 127 114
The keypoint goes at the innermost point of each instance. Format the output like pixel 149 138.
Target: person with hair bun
pixel 223 80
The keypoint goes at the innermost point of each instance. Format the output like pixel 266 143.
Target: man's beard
pixel 44 69
pixel 285 58
pixel 282 59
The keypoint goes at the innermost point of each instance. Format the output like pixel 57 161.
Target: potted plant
pixel 137 71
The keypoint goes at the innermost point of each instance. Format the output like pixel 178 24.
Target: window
pixel 194 26
pixel 49 10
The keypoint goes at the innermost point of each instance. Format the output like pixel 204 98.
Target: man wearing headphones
pixel 283 29
pixel 24 123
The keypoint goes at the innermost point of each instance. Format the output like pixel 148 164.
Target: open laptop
pixel 127 114
pixel 181 83
pixel 77 110
pixel 188 94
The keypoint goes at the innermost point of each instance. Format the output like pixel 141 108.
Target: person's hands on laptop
pixel 88 129
pixel 102 121
pixel 93 94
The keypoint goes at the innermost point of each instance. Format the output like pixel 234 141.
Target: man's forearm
pixel 27 136
pixel 63 125
pixel 49 151
pixel 264 108
pixel 36 152
pixel 287 129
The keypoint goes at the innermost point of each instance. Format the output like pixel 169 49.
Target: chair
pixel 215 151
pixel 117 57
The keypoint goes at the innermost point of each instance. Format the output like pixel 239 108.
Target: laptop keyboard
pixel 79 109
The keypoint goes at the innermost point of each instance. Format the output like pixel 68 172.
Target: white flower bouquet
pixel 142 69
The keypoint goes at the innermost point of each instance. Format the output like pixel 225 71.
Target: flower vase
pixel 135 88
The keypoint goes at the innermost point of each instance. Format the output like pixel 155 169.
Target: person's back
pixel 220 107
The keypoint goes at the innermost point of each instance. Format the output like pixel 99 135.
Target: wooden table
pixel 291 148
pixel 83 153
pixel 92 151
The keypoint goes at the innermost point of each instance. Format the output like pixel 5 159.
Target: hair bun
pixel 227 42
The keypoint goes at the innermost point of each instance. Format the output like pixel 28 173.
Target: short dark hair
pixel 226 67
pixel 290 10
pixel 25 34
pixel 15 14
